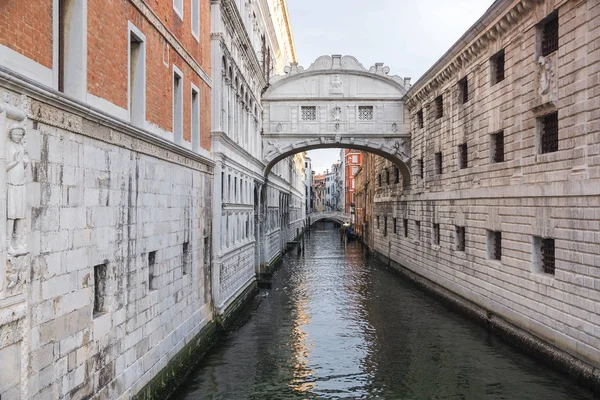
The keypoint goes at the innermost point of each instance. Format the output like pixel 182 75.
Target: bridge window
pixel 460 238
pixel 497 67
pixel 549 34
pixel 420 118
pixel 497 147
pixel 309 113
pixel 405 223
pixel 438 163
pixel 463 90
pixel 543 256
pixel 436 234
pixel 439 107
pixel 365 113
pixel 548 133
pixel 494 245
pixel 463 158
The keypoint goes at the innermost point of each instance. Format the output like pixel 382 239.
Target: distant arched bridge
pixel 336 216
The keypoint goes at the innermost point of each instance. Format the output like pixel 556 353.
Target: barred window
pixel 309 113
pixel 439 106
pixel 497 147
pixel 365 113
pixel 396 175
pixel 549 35
pixel 497 62
pixel 460 238
pixel 463 89
pixel 420 118
pixel 436 234
pixel 494 245
pixel 544 255
pixel 548 127
pixel 463 158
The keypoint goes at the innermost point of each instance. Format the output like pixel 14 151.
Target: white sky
pixel 408 36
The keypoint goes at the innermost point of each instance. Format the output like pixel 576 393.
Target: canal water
pixel 337 325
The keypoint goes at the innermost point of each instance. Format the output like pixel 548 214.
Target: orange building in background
pixel 352 161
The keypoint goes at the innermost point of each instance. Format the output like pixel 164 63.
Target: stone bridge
pixel 336 216
pixel 337 103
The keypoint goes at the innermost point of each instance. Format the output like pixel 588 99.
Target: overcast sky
pixel 409 36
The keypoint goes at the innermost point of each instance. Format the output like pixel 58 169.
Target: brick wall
pixel 529 194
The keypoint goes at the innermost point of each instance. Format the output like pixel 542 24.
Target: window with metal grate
pixel 463 157
pixel 494 245
pixel 460 238
pixel 549 133
pixel 309 113
pixel 396 175
pixel 497 62
pixel 439 106
pixel 365 113
pixel 497 147
pixel 463 90
pixel 436 234
pixel 548 258
pixel 550 35
pixel 420 168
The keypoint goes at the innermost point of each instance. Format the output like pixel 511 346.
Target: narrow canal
pixel 336 325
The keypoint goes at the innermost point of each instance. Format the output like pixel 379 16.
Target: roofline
pixel 493 12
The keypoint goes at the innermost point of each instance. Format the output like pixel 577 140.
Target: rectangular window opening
pixel 548 128
pixel 137 80
pixel 72 59
pixel 365 113
pixel 418 231
pixel 394 225
pixel 439 107
pixel 436 234
pixel 195 120
pixel 177 107
pixel 549 34
pixel 497 147
pixel 387 176
pixel 420 118
pixel 100 276
pixel 497 63
pixel 405 225
pixel 396 175
pixel 178 7
pixel 438 163
pixel 185 255
pixel 463 89
pixel 152 270
pixel 463 157
pixel 385 225
pixel 308 113
pixel 420 168
pixel 196 18
pixel 494 245
pixel 460 238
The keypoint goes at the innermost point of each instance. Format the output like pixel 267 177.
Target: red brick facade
pixel 352 162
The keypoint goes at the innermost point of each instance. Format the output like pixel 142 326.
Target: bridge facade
pixel 336 216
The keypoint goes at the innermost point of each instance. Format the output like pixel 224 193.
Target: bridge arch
pixel 337 103
pixel 336 216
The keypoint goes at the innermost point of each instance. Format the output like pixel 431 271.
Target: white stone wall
pixel 102 196
pixel 554 195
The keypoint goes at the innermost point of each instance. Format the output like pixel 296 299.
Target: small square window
pixel 497 63
pixel 420 118
pixel 460 238
pixel 494 245
pixel 436 234
pixel 439 107
pixel 365 113
pixel 438 163
pixel 497 147
pixel 418 231
pixel 548 132
pixel 405 225
pixel 543 255
pixel 463 158
pixel 309 113
pixel 463 90
pixel 549 35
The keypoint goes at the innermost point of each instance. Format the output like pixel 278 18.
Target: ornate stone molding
pixel 464 51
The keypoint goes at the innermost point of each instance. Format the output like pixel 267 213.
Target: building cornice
pixel 288 26
pixel 500 18
pixel 155 21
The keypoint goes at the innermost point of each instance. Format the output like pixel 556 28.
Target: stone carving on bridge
pixel 337 113
pixel 402 149
pixel 337 85
pixel 16 164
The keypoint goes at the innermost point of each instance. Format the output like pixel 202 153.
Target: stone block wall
pixel 527 196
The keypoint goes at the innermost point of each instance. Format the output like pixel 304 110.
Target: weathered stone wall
pixel 528 195
pixel 115 281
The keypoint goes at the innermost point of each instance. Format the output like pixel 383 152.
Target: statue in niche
pixel 545 70
pixel 336 86
pixel 16 162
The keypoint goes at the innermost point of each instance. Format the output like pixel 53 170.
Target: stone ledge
pixel 585 373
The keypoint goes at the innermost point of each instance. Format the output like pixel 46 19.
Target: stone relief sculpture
pixel 16 163
pixel 545 74
pixel 337 113
pixel 337 85
pixel 400 149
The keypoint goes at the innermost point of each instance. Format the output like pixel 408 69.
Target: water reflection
pixel 338 326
